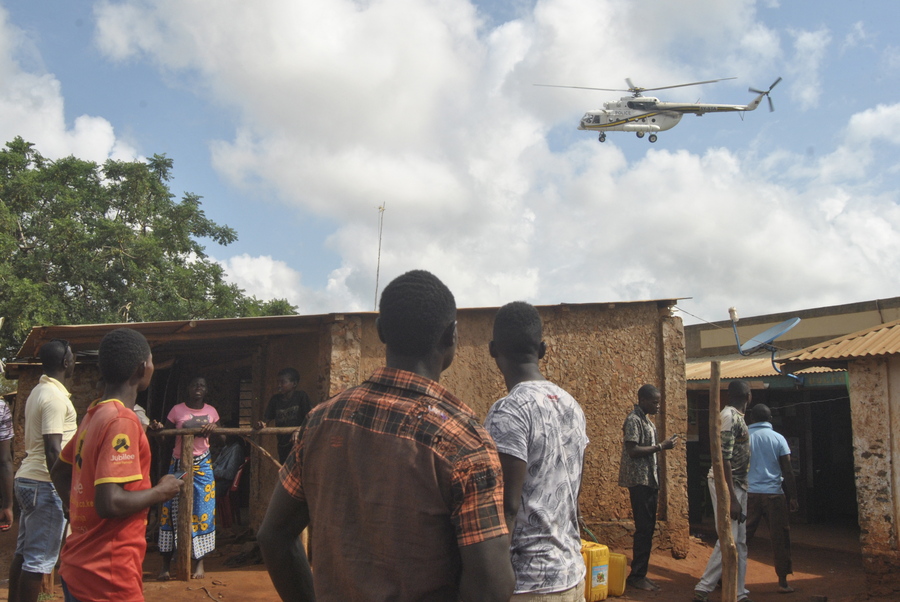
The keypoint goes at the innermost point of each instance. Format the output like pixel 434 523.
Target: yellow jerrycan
pixel 618 565
pixel 596 560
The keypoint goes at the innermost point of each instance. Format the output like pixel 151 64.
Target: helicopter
pixel 648 115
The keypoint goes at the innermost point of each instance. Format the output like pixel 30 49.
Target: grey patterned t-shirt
pixel 541 424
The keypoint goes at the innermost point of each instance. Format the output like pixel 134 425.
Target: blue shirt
pixel 766 447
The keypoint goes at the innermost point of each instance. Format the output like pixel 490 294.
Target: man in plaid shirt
pixel 401 484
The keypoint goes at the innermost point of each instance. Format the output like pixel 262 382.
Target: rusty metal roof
pixel 744 368
pixel 880 340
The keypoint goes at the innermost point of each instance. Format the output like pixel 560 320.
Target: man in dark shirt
pixel 639 472
pixel 401 483
pixel 288 407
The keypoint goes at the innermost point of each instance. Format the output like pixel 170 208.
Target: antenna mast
pixel 378 263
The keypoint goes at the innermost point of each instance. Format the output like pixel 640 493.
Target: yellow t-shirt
pixel 48 411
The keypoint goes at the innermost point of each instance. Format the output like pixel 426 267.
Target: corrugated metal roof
pixel 743 368
pixel 883 339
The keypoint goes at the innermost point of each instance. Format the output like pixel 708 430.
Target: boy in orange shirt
pixel 103 477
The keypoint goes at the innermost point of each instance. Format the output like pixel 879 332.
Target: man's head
pixel 57 359
pixel 649 399
pixel 739 394
pixel 125 354
pixel 760 413
pixel 287 380
pixel 417 316
pixel 518 333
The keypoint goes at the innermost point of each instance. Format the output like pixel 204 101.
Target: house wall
pixel 875 398
pixel 601 355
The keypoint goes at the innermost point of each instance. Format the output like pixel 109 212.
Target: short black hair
pixel 414 312
pixel 738 390
pixel 648 392
pixel 518 329
pixel 291 373
pixel 52 354
pixel 760 413
pixel 121 352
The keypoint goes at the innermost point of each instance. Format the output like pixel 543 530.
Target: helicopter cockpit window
pixel 588 118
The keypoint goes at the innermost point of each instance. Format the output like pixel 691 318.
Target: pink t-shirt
pixel 184 417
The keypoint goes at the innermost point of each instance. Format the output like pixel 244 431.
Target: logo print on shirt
pixel 121 442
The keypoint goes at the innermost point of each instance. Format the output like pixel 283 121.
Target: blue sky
pixel 295 121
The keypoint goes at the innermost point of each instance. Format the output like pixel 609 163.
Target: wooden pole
pixel 723 500
pixel 185 511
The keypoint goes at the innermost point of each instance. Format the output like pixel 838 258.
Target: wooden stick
pixel 723 500
pixel 185 509
pixel 262 451
pixel 243 431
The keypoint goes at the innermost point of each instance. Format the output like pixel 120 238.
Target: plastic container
pixel 618 567
pixel 596 560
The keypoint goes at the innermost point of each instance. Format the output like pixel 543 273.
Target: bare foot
pixel 199 572
pixel 163 576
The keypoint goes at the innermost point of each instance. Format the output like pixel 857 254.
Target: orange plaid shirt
pixel 397 474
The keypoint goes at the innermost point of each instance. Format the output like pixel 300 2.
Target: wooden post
pixel 723 500
pixel 185 511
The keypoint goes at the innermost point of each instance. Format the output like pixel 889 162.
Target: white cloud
pixel 805 67
pixel 31 106
pixel 344 107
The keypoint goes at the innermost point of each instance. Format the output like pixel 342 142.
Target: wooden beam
pixel 185 509
pixel 723 500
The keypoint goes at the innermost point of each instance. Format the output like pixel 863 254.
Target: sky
pixel 296 121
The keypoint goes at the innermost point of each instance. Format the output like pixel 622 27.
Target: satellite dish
pixel 766 337
pixel 764 341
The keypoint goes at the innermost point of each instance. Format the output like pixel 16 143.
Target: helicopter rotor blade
pixel 771 104
pixel 583 88
pixel 630 83
pixel 775 83
pixel 709 81
pixel 755 91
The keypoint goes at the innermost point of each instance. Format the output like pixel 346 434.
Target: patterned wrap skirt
pixel 203 519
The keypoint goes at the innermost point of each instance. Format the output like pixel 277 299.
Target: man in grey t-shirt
pixel 540 433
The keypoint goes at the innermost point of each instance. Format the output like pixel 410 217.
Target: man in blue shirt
pixel 770 464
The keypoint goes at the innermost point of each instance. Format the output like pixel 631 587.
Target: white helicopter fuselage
pixel 649 114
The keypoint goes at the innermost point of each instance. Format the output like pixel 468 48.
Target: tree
pixel 82 243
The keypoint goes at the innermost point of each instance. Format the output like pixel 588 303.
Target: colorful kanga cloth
pixel 203 519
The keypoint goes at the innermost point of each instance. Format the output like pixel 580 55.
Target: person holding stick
pixel 736 460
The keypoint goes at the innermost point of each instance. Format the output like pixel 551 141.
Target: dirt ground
pixel 826 563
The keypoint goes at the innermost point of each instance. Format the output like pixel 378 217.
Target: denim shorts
pixel 41 525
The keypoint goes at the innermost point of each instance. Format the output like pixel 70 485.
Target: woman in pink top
pixel 195 413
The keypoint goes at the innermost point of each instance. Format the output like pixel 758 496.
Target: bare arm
pixel 642 451
pixel 282 550
pixel 6 482
pixel 514 471
pixel 112 500
pixel 61 475
pixel 52 447
pixel 487 574
pixel 736 509
pixel 790 484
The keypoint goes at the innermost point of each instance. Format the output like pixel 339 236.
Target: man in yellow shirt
pixel 49 424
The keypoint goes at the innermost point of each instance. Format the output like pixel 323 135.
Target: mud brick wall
pixel 601 354
pixel 875 404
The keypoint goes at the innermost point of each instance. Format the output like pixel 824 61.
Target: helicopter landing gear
pixel 652 138
pixel 602 137
pixel 640 134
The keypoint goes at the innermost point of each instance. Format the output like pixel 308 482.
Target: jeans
pixel 644 501
pixel 739 531
pixel 41 525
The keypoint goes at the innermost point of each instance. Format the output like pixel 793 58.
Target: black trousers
pixel 644 501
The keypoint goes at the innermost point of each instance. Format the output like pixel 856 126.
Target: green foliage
pixel 82 243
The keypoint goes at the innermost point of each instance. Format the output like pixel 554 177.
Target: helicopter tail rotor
pixel 766 93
